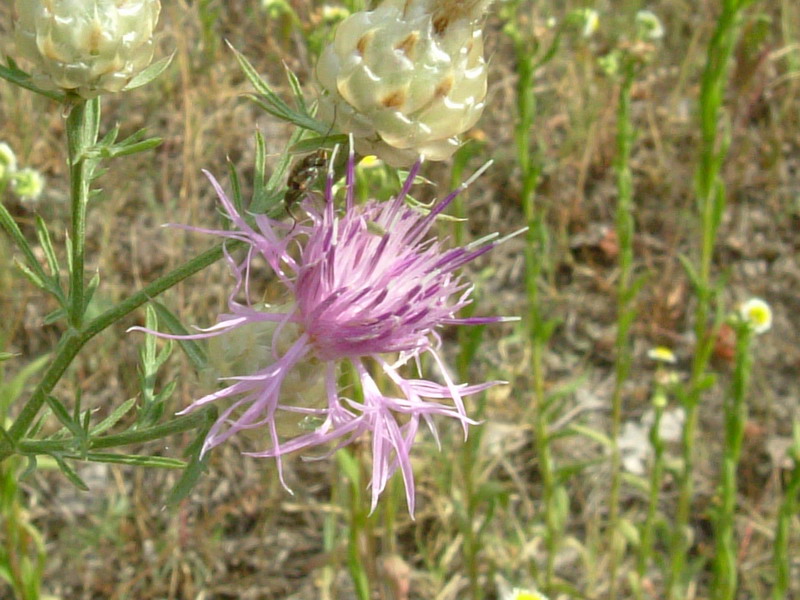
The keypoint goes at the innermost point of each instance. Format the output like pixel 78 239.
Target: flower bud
pixel 87 47
pixel 406 78
pixel 8 161
pixel 28 184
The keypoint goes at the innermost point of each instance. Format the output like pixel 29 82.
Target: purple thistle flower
pixel 362 284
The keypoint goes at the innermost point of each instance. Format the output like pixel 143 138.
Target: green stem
pixel 654 492
pixel 625 314
pixel 156 432
pixel 735 409
pixel 72 342
pixel 711 205
pixel 534 249
pixel 82 128
pixel 533 258
pixel 781 556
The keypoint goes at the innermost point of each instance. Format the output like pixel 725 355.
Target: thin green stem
pixel 710 192
pixel 625 313
pixel 735 408
pixel 654 492
pixel 781 557
pixel 535 247
pixel 528 60
pixel 82 127
pixel 137 436
pixel 73 340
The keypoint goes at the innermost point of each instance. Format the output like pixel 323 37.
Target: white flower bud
pixel 8 161
pixel 406 78
pixel 648 26
pixel 87 47
pixel 28 184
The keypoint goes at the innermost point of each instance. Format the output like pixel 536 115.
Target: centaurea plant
pixel 361 285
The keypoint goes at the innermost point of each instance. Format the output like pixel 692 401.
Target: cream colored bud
pixel 8 161
pixel 87 47
pixel 406 78
pixel 28 184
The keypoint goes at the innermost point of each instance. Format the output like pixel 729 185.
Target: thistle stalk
pixel 82 129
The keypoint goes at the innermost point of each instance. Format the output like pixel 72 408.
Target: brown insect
pixel 302 177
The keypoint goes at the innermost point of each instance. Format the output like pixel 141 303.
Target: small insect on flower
pixel 757 314
pixel 302 177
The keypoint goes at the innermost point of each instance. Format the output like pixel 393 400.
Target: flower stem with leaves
pixel 626 293
pixel 735 409
pixel 711 199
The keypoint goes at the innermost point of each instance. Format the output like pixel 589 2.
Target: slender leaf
pixel 114 417
pixel 70 473
pixel 61 413
pixel 197 463
pixel 192 349
pixel 138 460
pixel 150 73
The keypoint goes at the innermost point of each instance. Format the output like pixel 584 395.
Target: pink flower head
pixel 362 283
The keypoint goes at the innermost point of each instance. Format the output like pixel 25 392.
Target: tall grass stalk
pixel 710 191
pixel 788 511
pixel 626 292
pixel 645 549
pixel 528 60
pixel 735 409
pixel 468 346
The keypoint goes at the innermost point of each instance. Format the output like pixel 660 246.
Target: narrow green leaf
pixel 94 282
pixel 54 316
pixel 22 79
pixel 192 349
pixel 197 463
pixel 591 434
pixel 690 272
pixel 349 466
pixel 166 392
pixel 70 473
pixel 61 413
pixel 162 462
pixel 150 73
pixel 110 137
pixel 33 463
pixel 47 245
pixel 236 188
pixel 7 356
pixel 128 149
pixel 34 278
pixel 297 89
pixel 275 190
pixel 114 417
pixel 260 178
pixel 316 142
